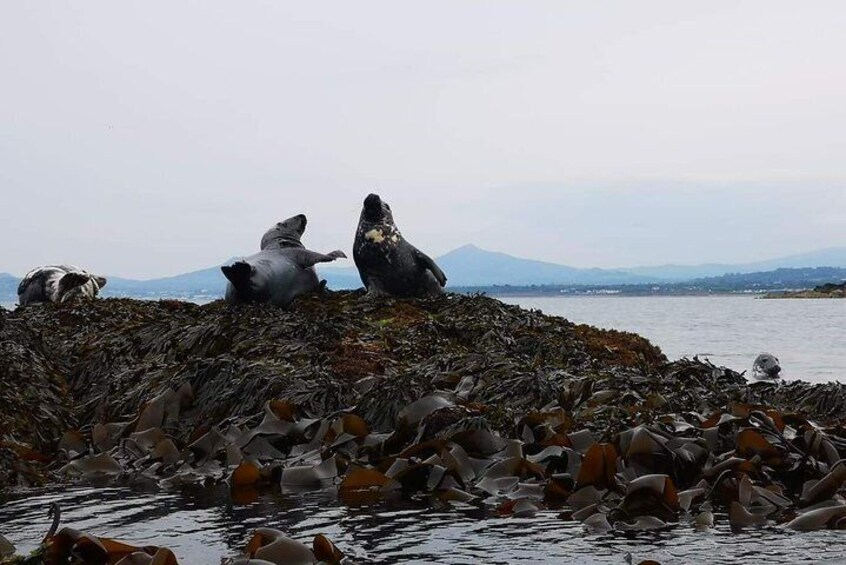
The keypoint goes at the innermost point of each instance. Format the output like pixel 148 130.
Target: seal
pixel 281 271
pixel 766 367
pixel 386 262
pixel 58 283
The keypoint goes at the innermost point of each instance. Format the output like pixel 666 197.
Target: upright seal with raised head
pixel 58 283
pixel 281 271
pixel 387 263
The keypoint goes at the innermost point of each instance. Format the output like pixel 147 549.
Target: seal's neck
pixel 282 243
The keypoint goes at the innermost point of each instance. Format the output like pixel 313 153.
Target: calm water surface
pixel 807 336
pixel 202 525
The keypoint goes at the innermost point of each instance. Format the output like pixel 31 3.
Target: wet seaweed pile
pixel 35 407
pixel 457 400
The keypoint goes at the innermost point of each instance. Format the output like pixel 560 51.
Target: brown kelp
pixel 35 407
pixel 457 399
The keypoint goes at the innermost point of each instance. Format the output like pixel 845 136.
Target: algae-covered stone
pixel 72 366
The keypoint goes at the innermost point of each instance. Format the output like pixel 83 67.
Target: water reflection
pixel 202 524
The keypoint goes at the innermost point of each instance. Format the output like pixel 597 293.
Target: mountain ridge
pixel 826 257
pixel 470 266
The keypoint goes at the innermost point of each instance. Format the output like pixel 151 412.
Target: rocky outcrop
pixel 458 397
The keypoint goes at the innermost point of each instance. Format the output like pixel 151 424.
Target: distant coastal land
pixel 763 283
pixel 828 290
pixel 473 270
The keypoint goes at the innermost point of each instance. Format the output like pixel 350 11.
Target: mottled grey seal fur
pixel 281 271
pixel 766 367
pixel 386 262
pixel 58 283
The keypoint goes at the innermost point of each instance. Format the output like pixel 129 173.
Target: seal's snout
pixel 373 201
pixel 373 207
pixel 294 223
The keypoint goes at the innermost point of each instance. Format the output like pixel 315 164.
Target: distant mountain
pixel 203 283
pixel 470 266
pixel 8 287
pixel 735 283
pixel 778 279
pixel 831 257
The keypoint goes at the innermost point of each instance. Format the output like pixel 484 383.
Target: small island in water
pixel 456 400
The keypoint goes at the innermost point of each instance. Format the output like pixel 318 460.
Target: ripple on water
pixel 202 525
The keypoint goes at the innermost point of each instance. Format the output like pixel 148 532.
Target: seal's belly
pixel 279 280
pixel 393 264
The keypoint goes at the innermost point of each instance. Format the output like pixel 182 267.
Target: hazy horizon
pixel 348 265
pixel 159 138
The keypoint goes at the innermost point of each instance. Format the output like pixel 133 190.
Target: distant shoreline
pixel 500 292
pixel 825 291
pixel 802 295
pixel 600 293
pixel 204 299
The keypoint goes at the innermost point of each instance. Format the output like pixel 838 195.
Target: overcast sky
pixel 151 138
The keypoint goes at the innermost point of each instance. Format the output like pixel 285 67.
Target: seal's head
pixel 376 211
pixel 285 234
pixel 766 366
pixel 79 285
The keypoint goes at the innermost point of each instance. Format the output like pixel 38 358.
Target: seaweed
pixel 457 397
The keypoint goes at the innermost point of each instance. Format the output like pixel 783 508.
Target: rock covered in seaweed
pixel 459 398
pixel 121 353
pixel 35 408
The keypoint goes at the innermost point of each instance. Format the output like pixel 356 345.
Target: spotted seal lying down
pixel 58 283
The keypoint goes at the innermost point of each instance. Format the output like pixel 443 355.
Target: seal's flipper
pixel 239 274
pixel 71 281
pixel 426 262
pixel 305 258
pixel 337 254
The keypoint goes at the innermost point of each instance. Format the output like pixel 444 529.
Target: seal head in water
pixel 386 262
pixel 281 271
pixel 766 367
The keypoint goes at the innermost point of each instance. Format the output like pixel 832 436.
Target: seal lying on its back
pixel 281 271
pixel 58 283
pixel 386 262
